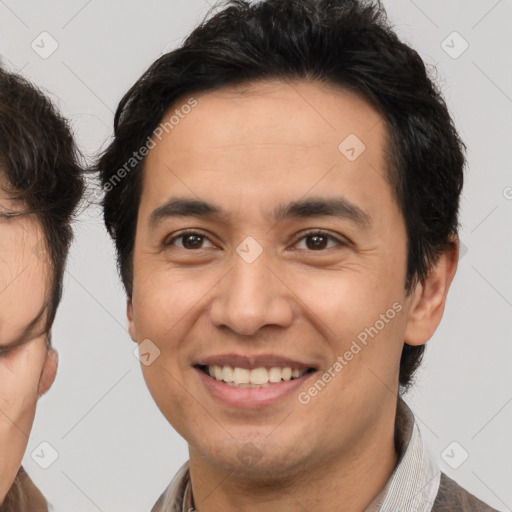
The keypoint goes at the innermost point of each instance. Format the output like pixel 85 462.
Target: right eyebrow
pixel 183 207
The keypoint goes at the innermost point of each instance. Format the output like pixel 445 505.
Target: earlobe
pixel 49 371
pixel 429 298
pixel 131 324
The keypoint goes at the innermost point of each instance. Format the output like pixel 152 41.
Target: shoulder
pixel 451 497
pixel 24 496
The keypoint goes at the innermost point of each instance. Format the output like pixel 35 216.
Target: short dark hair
pixel 345 43
pixel 40 164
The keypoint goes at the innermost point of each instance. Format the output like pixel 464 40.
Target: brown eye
pixel 318 240
pixel 190 240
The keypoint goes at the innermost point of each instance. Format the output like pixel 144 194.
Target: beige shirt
pixel 412 487
pixel 24 496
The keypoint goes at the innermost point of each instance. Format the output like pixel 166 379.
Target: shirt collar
pixel 412 486
pixel 414 483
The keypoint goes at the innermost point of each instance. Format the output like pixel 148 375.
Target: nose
pixel 251 296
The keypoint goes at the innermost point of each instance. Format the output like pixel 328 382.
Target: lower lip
pixel 251 397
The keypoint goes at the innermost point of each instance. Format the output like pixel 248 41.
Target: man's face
pixel 249 286
pixel 27 368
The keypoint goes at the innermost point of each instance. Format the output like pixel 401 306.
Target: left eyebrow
pixel 339 207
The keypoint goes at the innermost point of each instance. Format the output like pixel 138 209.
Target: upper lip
pixel 251 362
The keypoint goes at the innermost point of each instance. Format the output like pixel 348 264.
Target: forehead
pixel 296 114
pixel 268 138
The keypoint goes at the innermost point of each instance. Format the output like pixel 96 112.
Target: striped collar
pixel 412 487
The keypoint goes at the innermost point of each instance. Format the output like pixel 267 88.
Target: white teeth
pixel 257 377
pixel 217 371
pixel 241 376
pixel 274 375
pixel 227 374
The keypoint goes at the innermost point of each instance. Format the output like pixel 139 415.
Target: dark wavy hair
pixel 39 164
pixel 345 43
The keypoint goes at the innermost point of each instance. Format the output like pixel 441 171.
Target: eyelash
pixel 307 234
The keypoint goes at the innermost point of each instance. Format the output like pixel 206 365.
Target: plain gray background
pixel 115 450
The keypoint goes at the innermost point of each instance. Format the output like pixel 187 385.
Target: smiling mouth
pixel 253 378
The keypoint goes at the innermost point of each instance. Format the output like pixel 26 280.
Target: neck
pixel 347 481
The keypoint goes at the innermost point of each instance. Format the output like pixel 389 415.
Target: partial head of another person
pixel 41 184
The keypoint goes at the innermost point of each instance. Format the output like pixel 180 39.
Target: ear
pixel 49 371
pixel 429 298
pixel 131 323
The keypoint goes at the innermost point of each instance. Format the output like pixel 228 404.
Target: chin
pixel 255 458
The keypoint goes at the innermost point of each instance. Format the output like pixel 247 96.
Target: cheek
pixel 165 300
pixel 161 302
pixel 18 406
pixel 25 284
pixel 359 311
pixel 164 384
pixel 17 309
pixel 20 372
pixel 345 301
